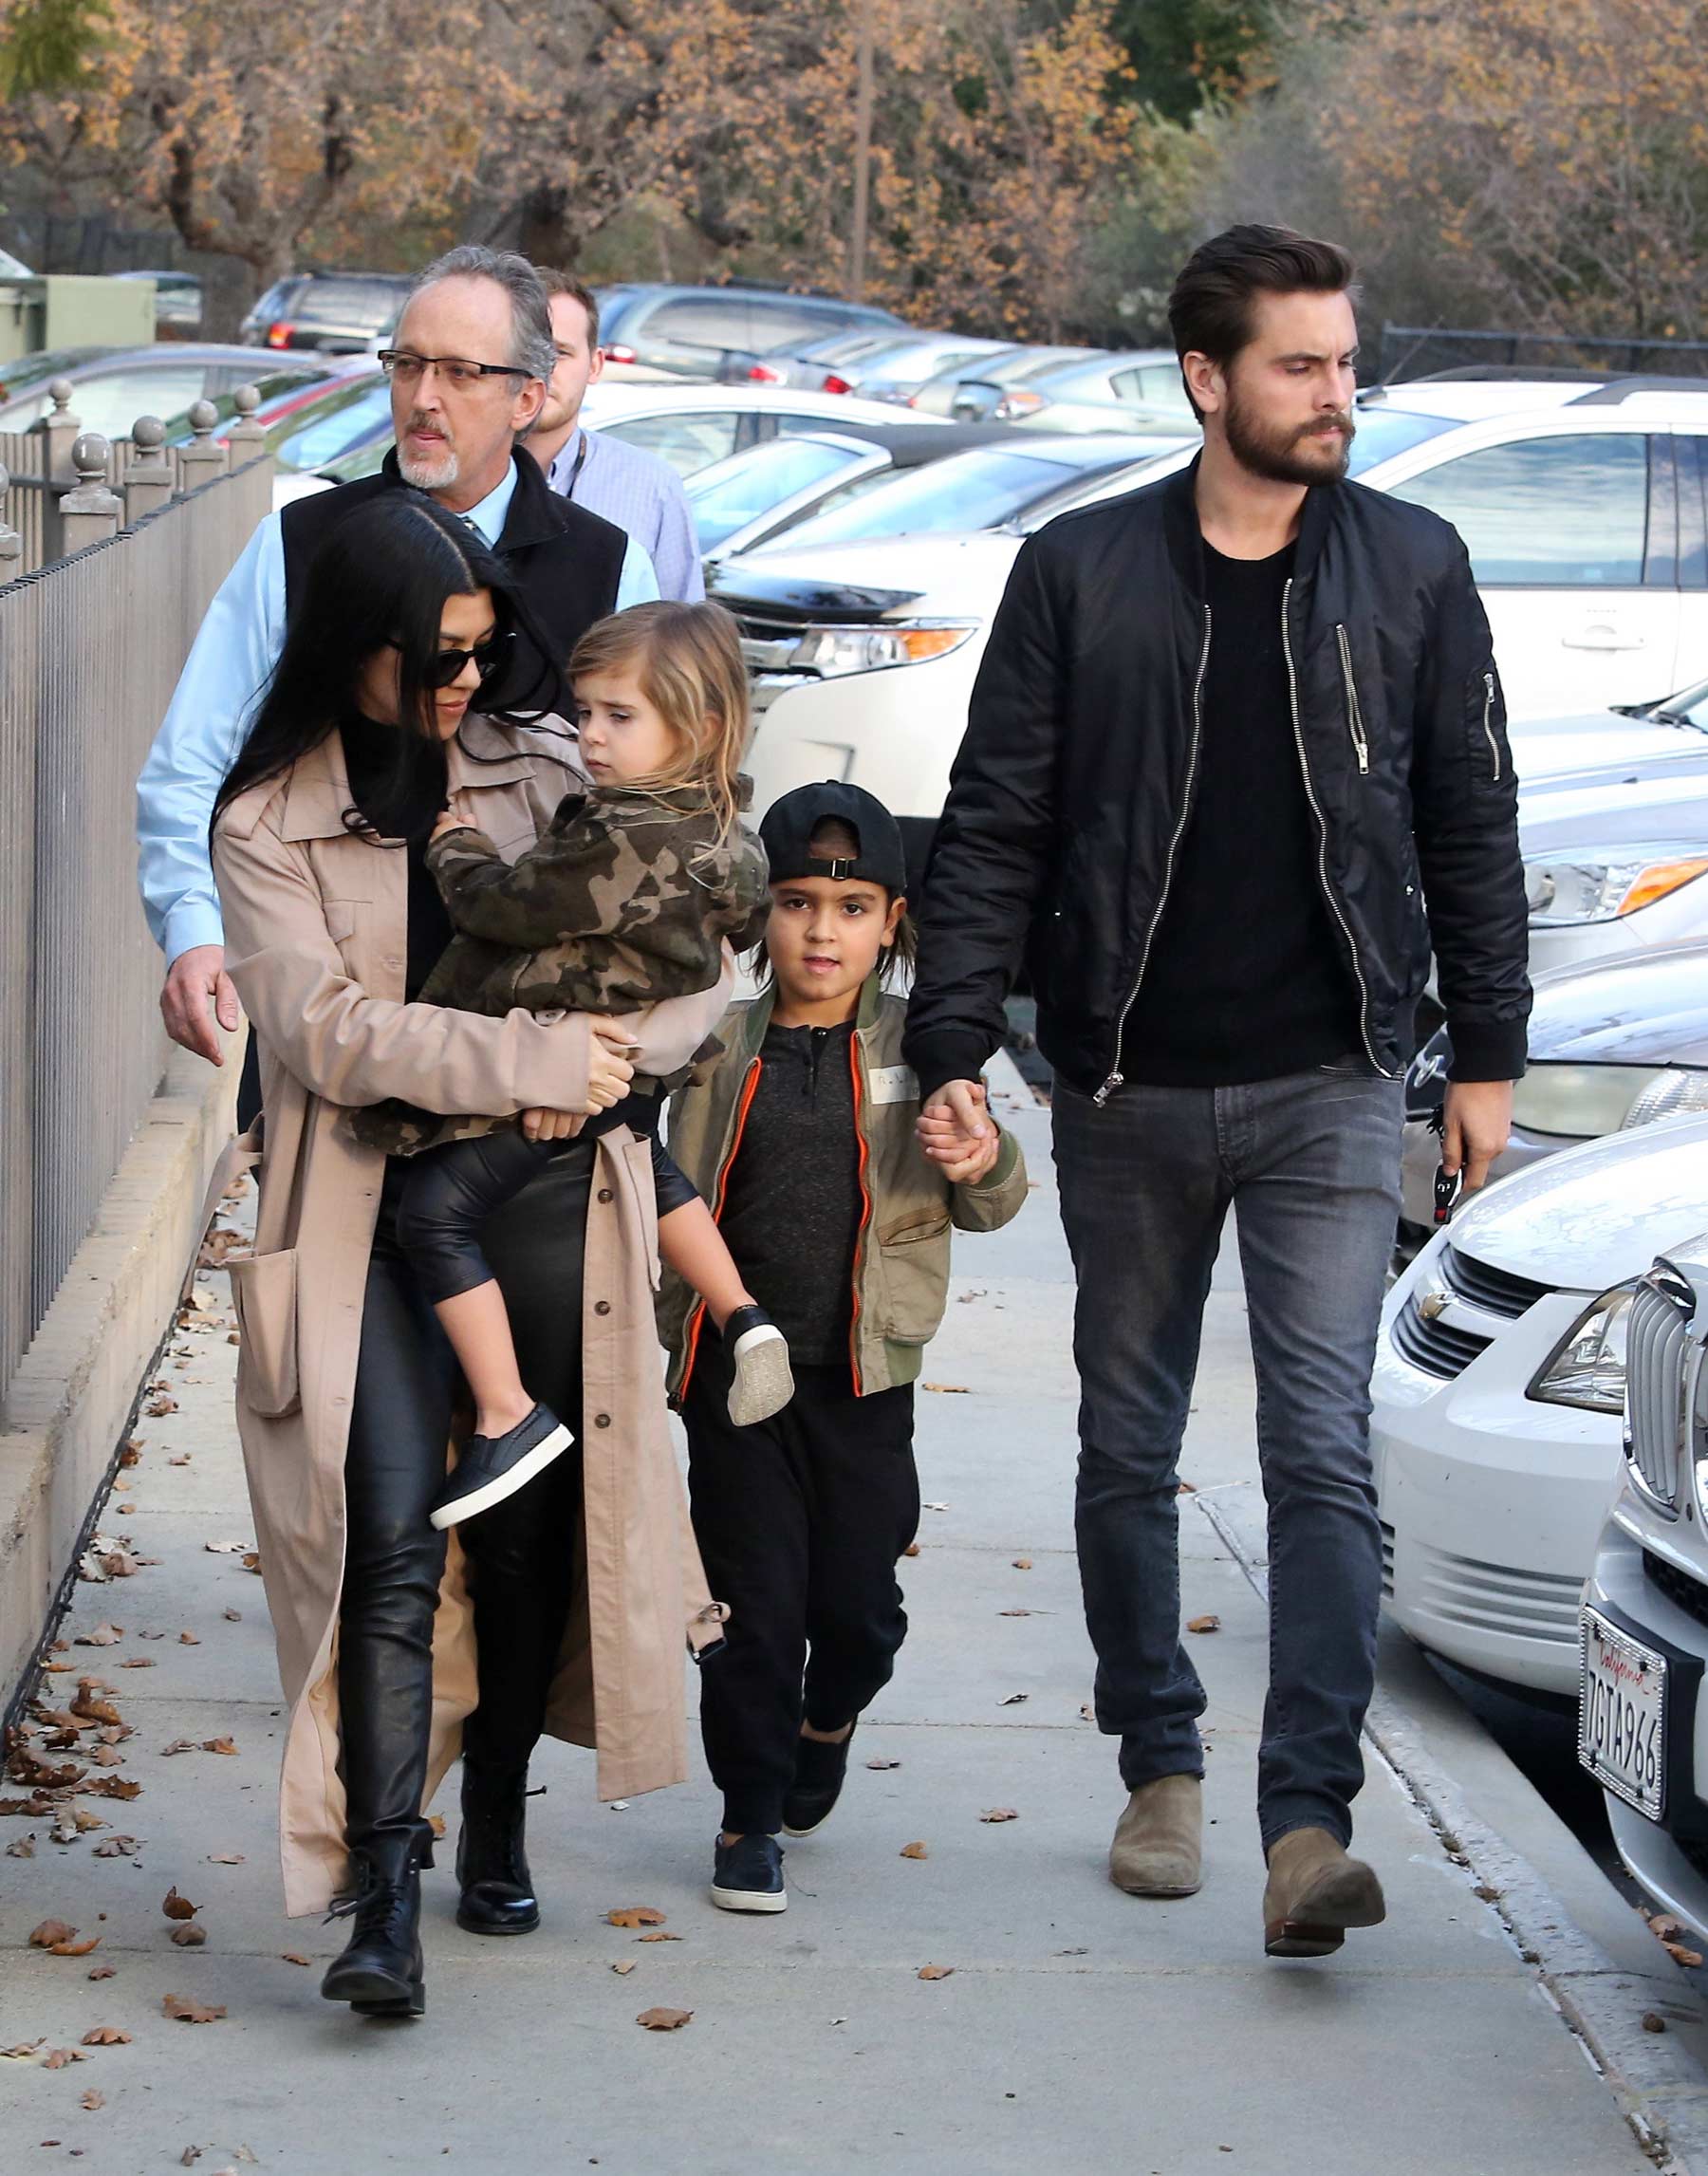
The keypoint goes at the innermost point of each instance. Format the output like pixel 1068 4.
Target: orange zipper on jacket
pixel 865 1207
pixel 749 1088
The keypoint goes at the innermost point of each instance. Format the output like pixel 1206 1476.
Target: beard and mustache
pixel 1315 453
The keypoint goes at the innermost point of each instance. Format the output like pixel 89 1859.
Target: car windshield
pixel 332 301
pixel 1383 431
pixel 276 387
pixel 30 370
pixel 732 493
pixel 978 490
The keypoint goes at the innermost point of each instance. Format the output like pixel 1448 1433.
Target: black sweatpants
pixel 800 1521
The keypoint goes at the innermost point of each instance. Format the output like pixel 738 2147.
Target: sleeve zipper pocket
pixel 1355 724
pixel 1489 724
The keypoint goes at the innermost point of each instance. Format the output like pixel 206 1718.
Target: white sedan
pixel 1498 1392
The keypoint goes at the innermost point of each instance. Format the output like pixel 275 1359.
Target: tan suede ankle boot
pixel 1314 1893
pixel 1159 1840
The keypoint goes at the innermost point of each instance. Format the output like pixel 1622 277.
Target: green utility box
pixel 66 309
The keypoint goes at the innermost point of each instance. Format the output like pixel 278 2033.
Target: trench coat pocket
pixel 264 1294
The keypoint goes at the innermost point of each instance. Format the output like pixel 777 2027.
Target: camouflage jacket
pixel 624 900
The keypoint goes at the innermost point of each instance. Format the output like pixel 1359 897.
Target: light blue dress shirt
pixel 234 650
pixel 641 495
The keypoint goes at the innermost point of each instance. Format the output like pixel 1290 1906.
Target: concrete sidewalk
pixel 1079 2031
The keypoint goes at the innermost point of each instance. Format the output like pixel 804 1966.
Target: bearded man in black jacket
pixel 1236 763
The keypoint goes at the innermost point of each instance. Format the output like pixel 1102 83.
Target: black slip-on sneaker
pixel 820 1772
pixel 762 1383
pixel 746 1875
pixel 492 1467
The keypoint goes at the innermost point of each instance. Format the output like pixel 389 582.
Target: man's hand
pixel 964 1160
pixel 961 1104
pixel 1476 1122
pixel 552 1124
pixel 194 978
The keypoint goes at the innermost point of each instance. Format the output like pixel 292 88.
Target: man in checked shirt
pixel 634 488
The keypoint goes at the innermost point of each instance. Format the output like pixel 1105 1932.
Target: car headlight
pixel 833 650
pixel 1563 893
pixel 1587 1367
pixel 1583 1102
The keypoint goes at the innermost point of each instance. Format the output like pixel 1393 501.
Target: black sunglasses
pixel 449 665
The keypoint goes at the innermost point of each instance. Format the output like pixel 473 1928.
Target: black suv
pixel 689 332
pixel 341 313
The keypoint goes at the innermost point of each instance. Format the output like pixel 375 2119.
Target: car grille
pixel 768 645
pixel 1496 1291
pixel 1498 1598
pixel 1654 1358
pixel 1388 1558
pixel 1679 1589
pixel 1438 1347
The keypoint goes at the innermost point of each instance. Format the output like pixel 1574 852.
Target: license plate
pixel 1622 1715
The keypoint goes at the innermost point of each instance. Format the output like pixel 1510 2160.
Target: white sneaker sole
pixel 748 1899
pixel 477 1500
pixel 764 1382
pixel 812 1830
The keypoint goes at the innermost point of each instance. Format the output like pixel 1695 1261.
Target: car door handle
pixel 1603 634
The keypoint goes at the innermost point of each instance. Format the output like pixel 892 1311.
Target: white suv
pixel 1642 1729
pixel 1584 509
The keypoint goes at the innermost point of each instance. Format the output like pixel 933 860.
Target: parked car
pixel 112 386
pixel 1613 1045
pixel 751 498
pixel 177 301
pixel 688 330
pixel 818 367
pixel 897 372
pixel 13 268
pixel 345 312
pixel 1550 634
pixel 1101 393
pixel 1496 1396
pixel 971 393
pixel 1643 1727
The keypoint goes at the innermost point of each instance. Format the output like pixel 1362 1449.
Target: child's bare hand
pixel 552 1124
pixel 448 820
pixel 962 1157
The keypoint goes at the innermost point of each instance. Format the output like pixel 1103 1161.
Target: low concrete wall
pixel 75 1388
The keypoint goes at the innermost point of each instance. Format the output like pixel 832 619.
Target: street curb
pixel 1661 2090
pixel 76 1389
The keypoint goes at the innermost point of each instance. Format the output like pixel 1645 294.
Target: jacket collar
pixel 1186 540
pixel 537 512
pixel 318 789
pixel 756 1017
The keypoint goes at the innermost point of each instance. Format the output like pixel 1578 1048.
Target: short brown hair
pixel 1210 307
pixel 556 283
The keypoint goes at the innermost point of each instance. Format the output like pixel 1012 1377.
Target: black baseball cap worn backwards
pixel 786 832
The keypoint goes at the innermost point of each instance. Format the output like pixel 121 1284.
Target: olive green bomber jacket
pixel 902 1258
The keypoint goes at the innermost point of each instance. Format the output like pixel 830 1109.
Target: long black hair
pixel 381 577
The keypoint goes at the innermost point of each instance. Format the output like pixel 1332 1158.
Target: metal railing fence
pixel 90 650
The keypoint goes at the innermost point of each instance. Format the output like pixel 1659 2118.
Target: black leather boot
pixel 381 1973
pixel 497 1894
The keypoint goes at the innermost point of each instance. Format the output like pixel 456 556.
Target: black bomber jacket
pixel 1075 782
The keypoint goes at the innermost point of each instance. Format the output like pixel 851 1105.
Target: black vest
pixel 564 562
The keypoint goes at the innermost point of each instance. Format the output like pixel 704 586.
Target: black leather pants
pixel 521 1555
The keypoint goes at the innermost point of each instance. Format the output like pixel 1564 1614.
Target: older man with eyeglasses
pixel 475 351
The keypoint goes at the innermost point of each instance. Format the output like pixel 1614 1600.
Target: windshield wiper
pixel 1675 718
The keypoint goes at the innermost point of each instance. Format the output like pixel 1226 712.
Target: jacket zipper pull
pixel 1107 1089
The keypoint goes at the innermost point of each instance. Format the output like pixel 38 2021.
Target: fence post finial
pixel 148 477
pixel 59 428
pixel 90 512
pixel 201 458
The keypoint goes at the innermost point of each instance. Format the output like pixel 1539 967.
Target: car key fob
pixel 1446 1195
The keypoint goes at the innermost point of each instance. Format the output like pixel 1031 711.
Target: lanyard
pixel 580 462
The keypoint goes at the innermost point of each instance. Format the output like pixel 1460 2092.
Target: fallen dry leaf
pixel 233 1616
pixel 1203 1624
pixel 1000 1814
pixel 1012 1698
pixel 190 1937
pixel 882 1760
pixel 912 1548
pixel 635 1915
pixel 224 1858
pixel 227 1548
pixel 90 1708
pixel 292 1957
pixel 56 2059
pixel 948 1390
pixel 179 1746
pixel 1014 1612
pixel 188 1640
pixel 158 1408
pixel 114 1787
pixel 252 1562
pixel 106 2036
pixel 663 2020
pixel 934 1507
pixel 218 1745
pixel 182 1460
pixel 1023 1564
pixel 50 1931
pixel 85 1823
pixel 63 1831
pixel 92 2100
pixel 105 1756
pixel 914 1852
pixel 623 1965
pixel 937 1971
pixel 176 1907
pixel 1681 1955
pixel 1185 1489
pixel 105 1972
pixel 138 1662
pixel 23 1848
pixel 102 1636
pixel 74 1948
pixel 660 1937
pixel 189 2013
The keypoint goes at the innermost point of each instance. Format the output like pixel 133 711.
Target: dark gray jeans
pixel 1312 1164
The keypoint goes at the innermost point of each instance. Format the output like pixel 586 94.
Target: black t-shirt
pixel 1248 977
pixel 791 1200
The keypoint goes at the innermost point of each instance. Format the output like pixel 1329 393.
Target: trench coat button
pixel 602 1420
pixel 606 1194
pixel 601 1306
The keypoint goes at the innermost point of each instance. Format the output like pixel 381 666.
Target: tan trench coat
pixel 315 934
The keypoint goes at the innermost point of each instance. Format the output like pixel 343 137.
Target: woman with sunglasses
pixel 574 1598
